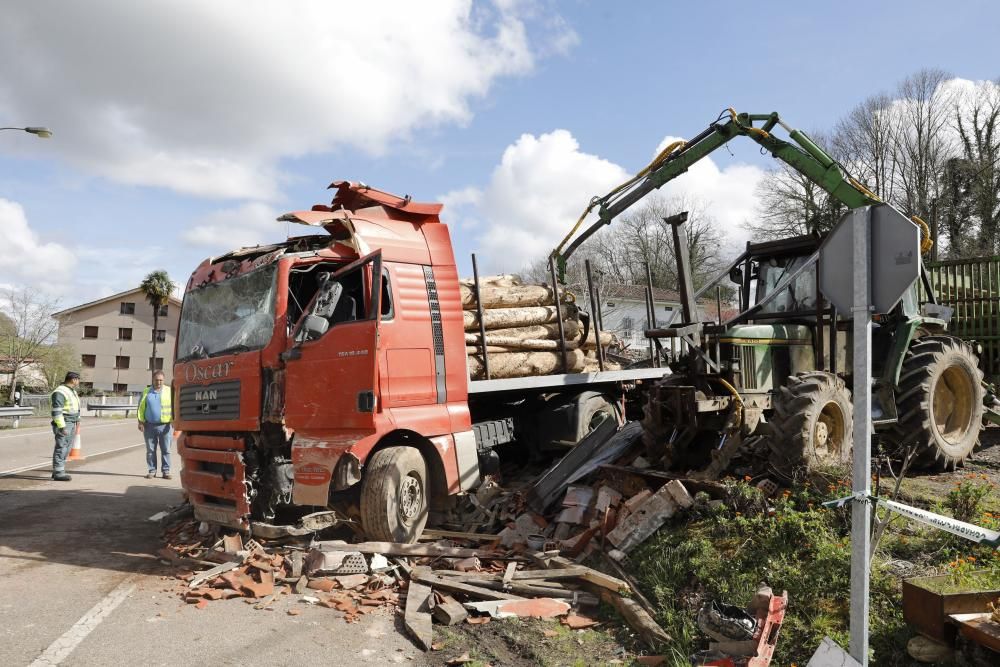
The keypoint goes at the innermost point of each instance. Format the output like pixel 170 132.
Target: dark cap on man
pixel 72 375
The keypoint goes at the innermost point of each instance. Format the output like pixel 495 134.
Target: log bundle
pixel 522 331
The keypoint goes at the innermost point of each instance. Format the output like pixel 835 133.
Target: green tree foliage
pixel 157 288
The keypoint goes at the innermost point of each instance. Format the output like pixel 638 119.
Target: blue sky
pixel 182 130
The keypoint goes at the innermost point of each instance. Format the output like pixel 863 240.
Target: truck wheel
pixel 394 495
pixel 940 401
pixel 812 423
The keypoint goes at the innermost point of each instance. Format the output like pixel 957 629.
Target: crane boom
pixel 803 155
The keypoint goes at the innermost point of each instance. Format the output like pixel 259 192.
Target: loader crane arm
pixel 803 155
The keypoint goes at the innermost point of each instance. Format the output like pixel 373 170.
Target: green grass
pixel 790 543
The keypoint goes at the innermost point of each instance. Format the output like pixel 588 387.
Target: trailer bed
pixel 565 380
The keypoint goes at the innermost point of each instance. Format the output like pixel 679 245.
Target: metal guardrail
pixel 97 407
pixel 16 413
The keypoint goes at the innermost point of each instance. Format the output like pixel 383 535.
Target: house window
pixel 121 363
pixel 87 386
pixel 88 360
pixel 127 308
pixel 163 311
pixel 90 332
pixel 124 333
pixel 119 388
pixel 158 365
pixel 628 325
pixel 160 335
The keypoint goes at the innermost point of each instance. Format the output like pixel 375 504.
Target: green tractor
pixel 778 374
pixel 776 377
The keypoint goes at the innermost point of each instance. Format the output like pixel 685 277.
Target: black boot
pixel 61 477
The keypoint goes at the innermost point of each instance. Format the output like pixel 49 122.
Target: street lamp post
pixel 40 132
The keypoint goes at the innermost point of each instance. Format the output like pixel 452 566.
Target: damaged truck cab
pixel 302 362
pixel 329 374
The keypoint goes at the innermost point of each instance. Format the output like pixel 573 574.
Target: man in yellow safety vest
pixel 155 415
pixel 65 416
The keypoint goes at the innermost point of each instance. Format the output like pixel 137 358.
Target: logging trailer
pixel 330 373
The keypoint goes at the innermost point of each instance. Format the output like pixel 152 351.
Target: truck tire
pixel 812 423
pixel 394 495
pixel 940 401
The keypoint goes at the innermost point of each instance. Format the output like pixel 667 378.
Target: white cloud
pixel 206 98
pixel 252 223
pixel 542 185
pixel 25 257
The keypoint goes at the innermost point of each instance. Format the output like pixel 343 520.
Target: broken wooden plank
pixel 398 549
pixel 448 611
pixel 558 563
pixel 435 534
pixel 417 617
pixel 424 576
pixel 638 619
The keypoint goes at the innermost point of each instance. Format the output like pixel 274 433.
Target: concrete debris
pixel 334 562
pixel 417 617
pixel 448 611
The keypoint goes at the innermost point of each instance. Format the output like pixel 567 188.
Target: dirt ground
pixel 526 642
pixel 931 488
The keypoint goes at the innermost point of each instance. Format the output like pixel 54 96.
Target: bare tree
pixel 790 204
pixel 923 144
pixel 30 327
pixel 866 141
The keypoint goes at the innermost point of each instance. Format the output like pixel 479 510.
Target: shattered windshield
pixel 234 315
pixel 798 296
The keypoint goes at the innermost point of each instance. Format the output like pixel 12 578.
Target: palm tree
pixel 157 287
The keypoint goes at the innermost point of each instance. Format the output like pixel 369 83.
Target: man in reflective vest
pixel 155 415
pixel 65 416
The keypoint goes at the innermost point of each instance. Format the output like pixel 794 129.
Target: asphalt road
pixel 79 584
pixel 27 448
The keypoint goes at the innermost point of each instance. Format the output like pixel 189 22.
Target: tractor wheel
pixel 812 423
pixel 394 495
pixel 940 401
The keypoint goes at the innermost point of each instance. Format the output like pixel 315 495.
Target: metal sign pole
pixel 861 478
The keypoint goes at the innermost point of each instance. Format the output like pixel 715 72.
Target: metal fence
pixel 42 404
pixel 972 288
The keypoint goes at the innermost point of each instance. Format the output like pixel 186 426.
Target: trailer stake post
pixel 479 312
pixel 558 301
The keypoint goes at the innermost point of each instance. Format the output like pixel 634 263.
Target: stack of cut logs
pixel 522 331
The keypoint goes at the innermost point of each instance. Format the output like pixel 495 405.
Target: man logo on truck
pixel 209 395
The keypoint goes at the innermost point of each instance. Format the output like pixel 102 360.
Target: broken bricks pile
pixel 440 581
pixel 261 575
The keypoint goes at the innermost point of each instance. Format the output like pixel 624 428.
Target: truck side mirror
pixel 736 275
pixel 313 327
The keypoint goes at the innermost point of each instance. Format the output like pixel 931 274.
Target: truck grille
pixel 220 400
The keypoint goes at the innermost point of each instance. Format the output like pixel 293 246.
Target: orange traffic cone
pixel 75 452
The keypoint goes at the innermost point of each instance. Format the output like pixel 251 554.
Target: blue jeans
pixel 157 435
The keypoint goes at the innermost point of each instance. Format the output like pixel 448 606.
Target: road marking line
pixel 43 431
pixel 60 649
pixel 48 463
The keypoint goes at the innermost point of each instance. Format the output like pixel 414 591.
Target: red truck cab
pixel 329 372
